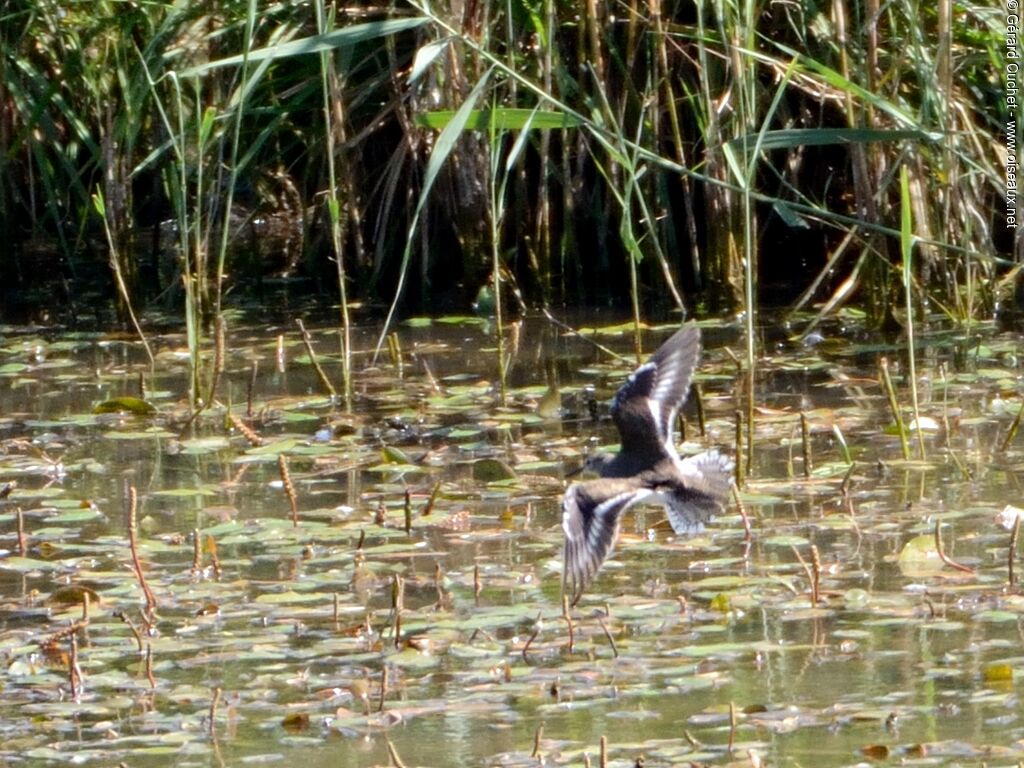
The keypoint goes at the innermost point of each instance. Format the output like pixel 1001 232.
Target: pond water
pixel 711 649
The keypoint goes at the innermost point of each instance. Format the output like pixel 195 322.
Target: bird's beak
pixel 575 472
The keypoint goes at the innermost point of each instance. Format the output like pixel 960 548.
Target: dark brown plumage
pixel 647 466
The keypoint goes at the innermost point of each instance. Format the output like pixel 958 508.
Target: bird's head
pixel 593 463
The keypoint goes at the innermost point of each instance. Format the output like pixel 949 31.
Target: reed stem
pixel 906 249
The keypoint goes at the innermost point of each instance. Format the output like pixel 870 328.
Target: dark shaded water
pixel 901 657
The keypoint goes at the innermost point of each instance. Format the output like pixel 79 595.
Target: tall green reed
pixel 333 99
pixel 638 171
pixel 906 253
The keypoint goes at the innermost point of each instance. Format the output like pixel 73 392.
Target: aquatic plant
pixel 675 154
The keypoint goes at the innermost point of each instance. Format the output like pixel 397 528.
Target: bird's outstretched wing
pixel 590 520
pixel 645 407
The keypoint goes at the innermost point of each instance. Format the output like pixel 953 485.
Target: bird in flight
pixel 646 468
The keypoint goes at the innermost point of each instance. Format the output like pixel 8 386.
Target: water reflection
pixel 900 655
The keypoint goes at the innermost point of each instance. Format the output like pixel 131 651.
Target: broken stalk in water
pixel 805 438
pixel 890 393
pixel 568 621
pixel 538 625
pixel 74 671
pixel 383 687
pixel 219 346
pixel 429 506
pixel 150 612
pixel 811 576
pixel 289 488
pixel 197 553
pixel 360 542
pixel 211 547
pixel 739 474
pixel 946 558
pixel 816 573
pixel 212 716
pixel 131 626
pixel 732 727
pixel 844 487
pixel 308 342
pixel 1011 555
pixel 395 352
pixel 250 390
pixel 22 539
pixel 607 634
pixel 442 593
pixel 844 447
pixel 397 603
pixel 393 754
pixel 743 513
pixel 1013 430
pixel 698 401
pixel 149 666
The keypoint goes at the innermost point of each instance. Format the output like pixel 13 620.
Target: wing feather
pixel 661 384
pixel 590 520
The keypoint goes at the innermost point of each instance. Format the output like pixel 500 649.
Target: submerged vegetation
pixel 646 154
pixel 286 583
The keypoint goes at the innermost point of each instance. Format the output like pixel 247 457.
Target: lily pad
pixel 126 404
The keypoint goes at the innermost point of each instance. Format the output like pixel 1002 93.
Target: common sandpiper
pixel 646 468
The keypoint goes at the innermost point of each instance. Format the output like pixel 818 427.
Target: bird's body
pixel 647 467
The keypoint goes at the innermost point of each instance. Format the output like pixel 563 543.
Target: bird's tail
pixel 718 471
pixel 708 479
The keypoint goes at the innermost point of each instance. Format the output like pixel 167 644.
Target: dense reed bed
pixel 640 154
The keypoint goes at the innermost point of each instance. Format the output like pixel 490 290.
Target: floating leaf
pixel 919 554
pixel 146 434
pixel 787 541
pixel 391 455
pixel 126 404
pixel 203 490
pixel 492 471
pixel 459 320
pixel 875 752
pixel 295 722
pixel 25 564
pixel 994 673
pixel 273 448
pixel 202 445
pixel 720 603
pixel 74 594
pixel 618 329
